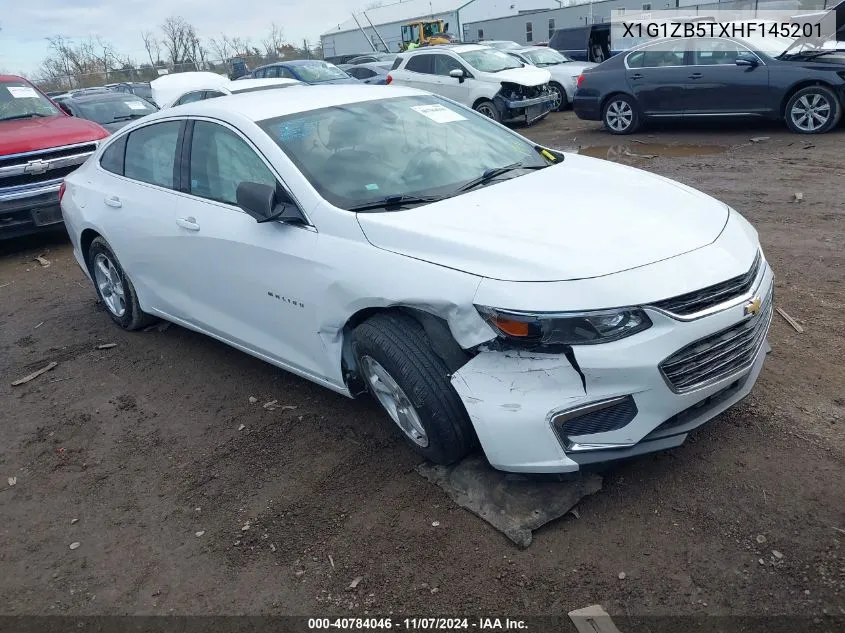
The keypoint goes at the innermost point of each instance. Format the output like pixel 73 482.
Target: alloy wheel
pixel 486 110
pixel 393 399
pixel 619 115
pixel 811 112
pixel 110 285
pixel 558 97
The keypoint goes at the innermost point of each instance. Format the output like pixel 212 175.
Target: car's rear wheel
pixel 812 110
pixel 560 101
pixel 411 382
pixel 488 109
pixel 620 115
pixel 114 288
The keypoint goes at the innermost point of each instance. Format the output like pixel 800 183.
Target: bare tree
pixel 84 63
pixel 152 45
pixel 178 40
pixel 221 47
pixel 273 42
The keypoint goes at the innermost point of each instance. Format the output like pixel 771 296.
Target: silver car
pixel 564 71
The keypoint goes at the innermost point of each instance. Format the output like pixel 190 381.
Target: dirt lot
pixel 135 453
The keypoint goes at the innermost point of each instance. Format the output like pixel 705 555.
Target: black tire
pixel 813 101
pixel 488 109
pixel 398 344
pixel 132 317
pixel 621 115
pixel 564 100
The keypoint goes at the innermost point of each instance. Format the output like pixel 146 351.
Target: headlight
pixel 566 328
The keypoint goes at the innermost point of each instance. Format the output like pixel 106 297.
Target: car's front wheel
pixel 560 101
pixel 620 115
pixel 114 288
pixel 488 109
pixel 812 110
pixel 411 382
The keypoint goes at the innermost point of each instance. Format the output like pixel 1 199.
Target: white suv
pixel 483 78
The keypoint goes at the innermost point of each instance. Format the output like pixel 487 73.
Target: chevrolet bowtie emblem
pixel 753 306
pixel 35 167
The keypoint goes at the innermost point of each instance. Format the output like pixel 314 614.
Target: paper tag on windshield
pixel 438 113
pixel 22 92
pixel 134 105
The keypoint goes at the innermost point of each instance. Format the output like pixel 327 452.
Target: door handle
pixel 188 223
pixel 113 201
pixel 636 76
pixel 695 76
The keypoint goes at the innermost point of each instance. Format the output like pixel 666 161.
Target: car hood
pixel 30 135
pixel 525 76
pixel 583 218
pixel 569 69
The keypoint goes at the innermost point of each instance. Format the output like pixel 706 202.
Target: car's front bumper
pixel 514 398
pixel 28 209
pixel 527 110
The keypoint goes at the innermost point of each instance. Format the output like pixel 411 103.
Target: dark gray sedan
pixel 111 110
pixel 688 78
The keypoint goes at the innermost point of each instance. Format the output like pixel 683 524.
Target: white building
pixel 358 35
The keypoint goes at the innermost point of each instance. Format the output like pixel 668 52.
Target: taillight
pixel 62 188
pixel 580 80
pixel 389 79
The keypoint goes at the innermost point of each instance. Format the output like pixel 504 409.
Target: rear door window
pixel 151 153
pixel 420 64
pixel 112 158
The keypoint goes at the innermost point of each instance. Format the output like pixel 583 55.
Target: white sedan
pixel 385 239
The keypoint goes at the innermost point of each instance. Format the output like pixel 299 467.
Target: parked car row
pixel 479 310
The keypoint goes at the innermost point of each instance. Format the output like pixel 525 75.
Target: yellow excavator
pixel 425 33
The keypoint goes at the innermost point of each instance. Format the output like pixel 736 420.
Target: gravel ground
pixel 185 497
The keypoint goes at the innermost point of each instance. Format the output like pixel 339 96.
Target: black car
pixel 138 88
pixel 716 77
pixel 109 109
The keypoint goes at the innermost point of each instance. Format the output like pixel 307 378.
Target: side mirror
pixel 266 203
pixel 746 59
pixel 458 74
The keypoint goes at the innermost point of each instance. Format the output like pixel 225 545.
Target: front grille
pixel 48 154
pixel 29 179
pixel 599 418
pixel 692 302
pixel 719 355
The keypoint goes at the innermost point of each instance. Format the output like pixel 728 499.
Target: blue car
pixel 309 71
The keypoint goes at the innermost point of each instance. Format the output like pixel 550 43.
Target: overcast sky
pixel 26 23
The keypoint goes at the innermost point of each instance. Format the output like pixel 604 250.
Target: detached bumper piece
pixel 524 104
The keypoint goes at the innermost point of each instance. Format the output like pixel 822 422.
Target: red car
pixel 39 146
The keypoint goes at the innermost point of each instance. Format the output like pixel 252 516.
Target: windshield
pixel 19 100
pixel 319 71
pixel 547 57
pixel 143 91
pixel 490 60
pixel 111 110
pixel 357 153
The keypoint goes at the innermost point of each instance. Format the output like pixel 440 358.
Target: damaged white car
pixel 487 80
pixel 385 239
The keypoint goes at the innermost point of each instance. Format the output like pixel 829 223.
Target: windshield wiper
pixel 390 202
pixel 128 117
pixel 494 172
pixel 28 115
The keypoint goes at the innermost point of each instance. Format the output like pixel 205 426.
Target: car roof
pixel 253 84
pixel 266 104
pixel 385 66
pixel 457 48
pixel 525 49
pixel 13 78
